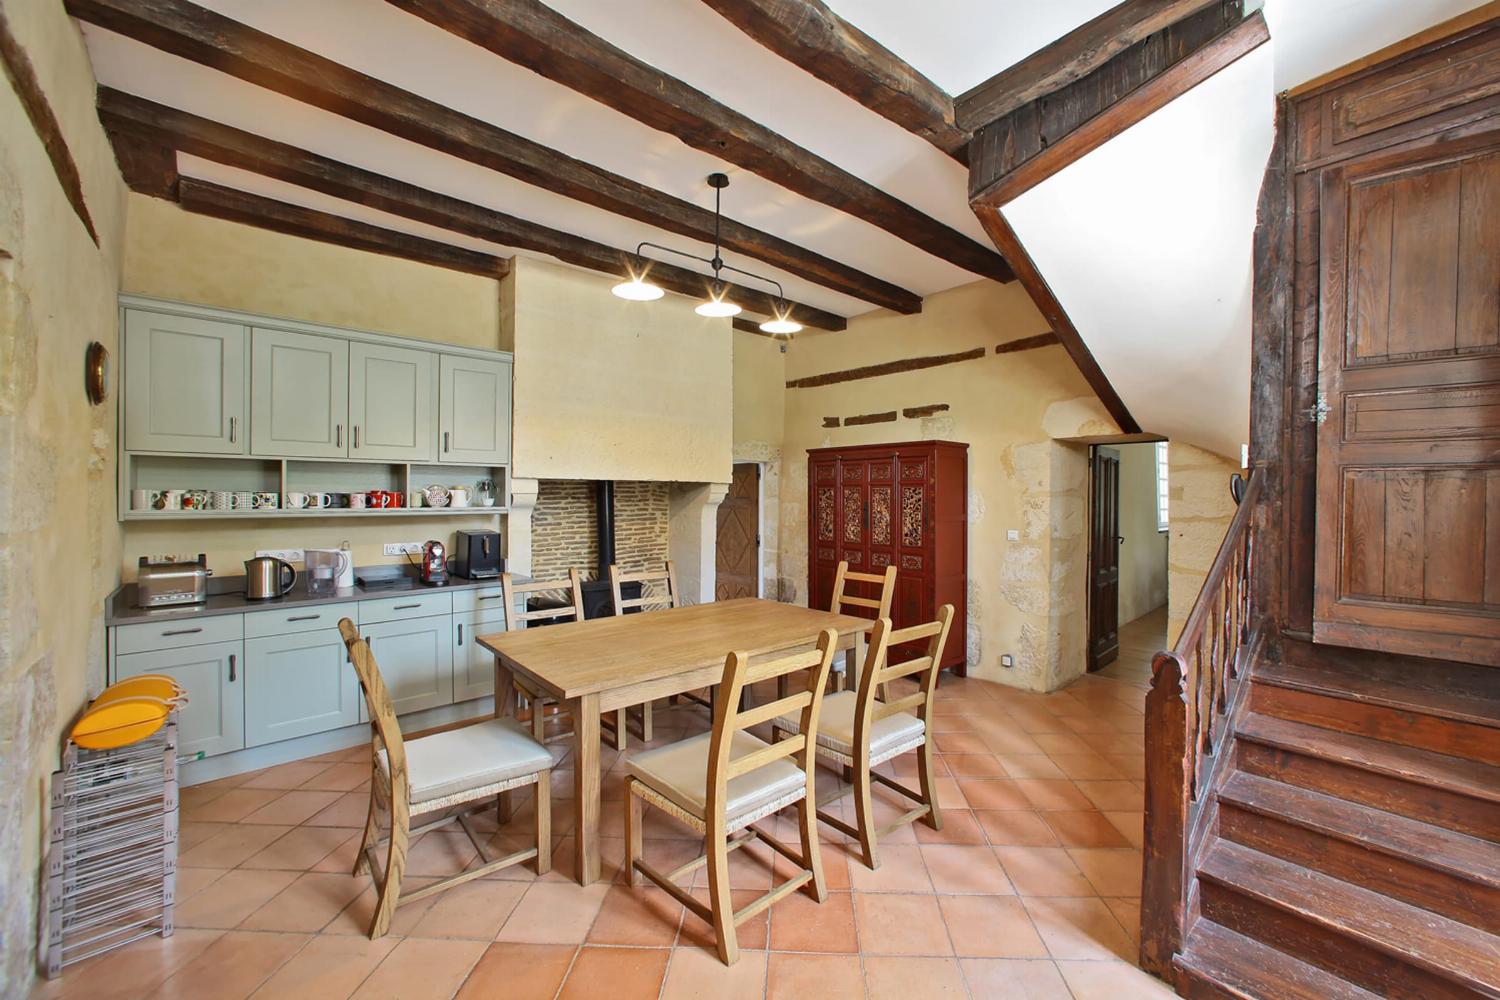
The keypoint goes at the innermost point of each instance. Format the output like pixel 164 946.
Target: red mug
pixel 382 499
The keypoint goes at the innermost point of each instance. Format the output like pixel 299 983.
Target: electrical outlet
pixel 403 548
pixel 289 555
pixel 1006 660
pixel 1012 535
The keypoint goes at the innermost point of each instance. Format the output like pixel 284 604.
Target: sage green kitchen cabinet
pixel 185 384
pixel 416 660
pixel 213 720
pixel 298 684
pixel 392 392
pixel 474 410
pixel 299 394
pixel 473 665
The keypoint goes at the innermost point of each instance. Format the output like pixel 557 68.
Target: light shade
pixel 717 307
pixel 638 290
pixel 781 326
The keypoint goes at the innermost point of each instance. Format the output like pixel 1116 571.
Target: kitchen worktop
pixel 227 597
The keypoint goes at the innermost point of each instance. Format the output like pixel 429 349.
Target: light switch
pixel 1012 535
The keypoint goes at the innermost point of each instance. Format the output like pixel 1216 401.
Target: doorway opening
pixel 737 552
pixel 1128 524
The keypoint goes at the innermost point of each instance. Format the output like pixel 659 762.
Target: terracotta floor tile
pixel 975 765
pixel 990 927
pixel 287 776
pixel 1128 912
pixel 308 904
pixel 643 915
pixel 1131 765
pixel 1112 872
pixel 509 969
pixel 440 853
pixel 235 896
pixel 191 881
pixel 293 807
pixel 752 935
pixel 422 968
pixel 959 827
pixel 901 870
pixel 1079 928
pixel 132 972
pixel 1113 796
pixel 1043 871
pixel 233 806
pixel 190 833
pixel 1132 826
pixel 339 778
pixel 826 977
pixel 959 743
pixel 1014 979
pixel 1084 828
pixel 231 847
pixel 897 924
pixel 986 793
pixel 1016 829
pixel 350 809
pixel 299 849
pixel 329 968
pixel 341 858
pixel 949 795
pixel 1086 766
pixel 1112 981
pixel 905 978
pixel 1052 794
pixel 959 869
pixel 695 974
pixel 1029 766
pixel 618 973
pixel 798 923
pixel 554 913
pixel 1054 744
pixel 1010 740
pixel 232 967
pixel 476 909
pixel 356 917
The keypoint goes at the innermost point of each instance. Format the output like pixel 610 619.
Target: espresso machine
pixel 434 569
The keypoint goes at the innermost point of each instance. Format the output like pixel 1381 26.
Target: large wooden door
pixel 1408 494
pixel 1104 559
pixel 737 554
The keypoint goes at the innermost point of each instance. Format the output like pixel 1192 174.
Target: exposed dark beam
pixel 28 88
pixel 813 38
pixel 533 35
pixel 884 368
pixel 1052 311
pixel 221 202
pixel 157 126
pixel 185 29
pixel 1018 152
pixel 1028 343
pixel 1072 57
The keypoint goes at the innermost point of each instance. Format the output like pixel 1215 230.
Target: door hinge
pixel 1319 411
pixel 757 541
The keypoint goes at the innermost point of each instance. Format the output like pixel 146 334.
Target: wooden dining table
pixel 605 664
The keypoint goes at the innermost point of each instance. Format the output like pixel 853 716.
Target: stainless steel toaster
pixel 162 584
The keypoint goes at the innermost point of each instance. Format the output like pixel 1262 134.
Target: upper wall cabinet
pixel 474 410
pixel 299 394
pixel 392 393
pixel 185 379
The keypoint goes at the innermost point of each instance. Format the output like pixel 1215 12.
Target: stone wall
pixel 565 534
pixel 1198 514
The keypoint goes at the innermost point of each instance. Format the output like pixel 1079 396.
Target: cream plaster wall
pixel 1143 553
pixel 1199 511
pixel 1026 597
pixel 609 389
pixel 59 545
pixel 759 427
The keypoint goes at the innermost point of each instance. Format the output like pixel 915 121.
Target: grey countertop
pixel 226 596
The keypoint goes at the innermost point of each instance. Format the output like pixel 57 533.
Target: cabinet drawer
pixel 391 609
pixel 285 621
pixel 176 634
pixel 484 599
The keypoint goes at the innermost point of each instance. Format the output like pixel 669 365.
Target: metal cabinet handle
pixel 356 435
pixel 338 435
pixel 232 659
pixel 445 440
pixel 460 634
pixel 405 607
pixel 304 618
pixel 182 631
pixel 490 597
pixel 231 430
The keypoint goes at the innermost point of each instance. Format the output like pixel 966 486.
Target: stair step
pixel 1445 949
pixel 1460 691
pixel 1246 969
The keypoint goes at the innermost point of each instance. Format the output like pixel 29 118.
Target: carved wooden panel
pixel 1461 411
pixel 911 562
pixel 825 514
pixel 912 513
pixel 854 515
pixel 880 515
pixel 824 472
pixel 912 469
pixel 855 557
pixel 1452 76
pixel 880 560
pixel 854 472
pixel 826 553
pixel 880 472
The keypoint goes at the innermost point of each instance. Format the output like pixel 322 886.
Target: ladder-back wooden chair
pixel 861 731
pixel 842 602
pixel 433 774
pixel 723 781
pixel 662 594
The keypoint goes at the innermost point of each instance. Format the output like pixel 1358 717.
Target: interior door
pixel 299 394
pixel 737 550
pixel 392 393
pixel 1104 558
pixel 1408 471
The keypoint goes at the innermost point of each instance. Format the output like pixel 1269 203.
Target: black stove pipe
pixel 604 519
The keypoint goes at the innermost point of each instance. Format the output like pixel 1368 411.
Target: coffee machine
pixel 434 570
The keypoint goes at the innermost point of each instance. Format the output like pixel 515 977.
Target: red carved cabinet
pixel 902 505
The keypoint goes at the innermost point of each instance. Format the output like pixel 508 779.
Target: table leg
pixel 505 706
pixel 854 658
pixel 585 712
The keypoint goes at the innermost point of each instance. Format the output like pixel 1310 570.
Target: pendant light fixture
pixel 639 288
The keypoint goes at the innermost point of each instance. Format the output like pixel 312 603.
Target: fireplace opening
pixel 598 602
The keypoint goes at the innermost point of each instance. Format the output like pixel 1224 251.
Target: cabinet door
pixel 473 665
pixel 416 659
pixel 822 547
pixel 392 403
pixel 474 411
pixel 298 684
pixel 299 394
pixel 213 721
pixel 184 384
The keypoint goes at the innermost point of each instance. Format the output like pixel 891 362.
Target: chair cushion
pixel 458 760
pixel 679 771
pixel 836 726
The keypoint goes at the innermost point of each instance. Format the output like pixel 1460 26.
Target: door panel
pixel 737 549
pixel 473 665
pixel 184 384
pixel 299 394
pixel 474 410
pixel 1104 559
pixel 213 721
pixel 1408 508
pixel 298 684
pixel 823 550
pixel 416 659
pixel 392 403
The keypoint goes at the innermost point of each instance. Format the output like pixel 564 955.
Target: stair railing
pixel 1193 687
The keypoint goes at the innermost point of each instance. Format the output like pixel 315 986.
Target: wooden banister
pixel 1193 689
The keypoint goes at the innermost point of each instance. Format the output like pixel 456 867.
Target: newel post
pixel 1168 783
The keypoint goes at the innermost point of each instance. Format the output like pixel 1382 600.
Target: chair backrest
pixel 806 698
pixel 386 731
pixel 876 674
pixel 881 606
pixel 513 595
pixel 665 580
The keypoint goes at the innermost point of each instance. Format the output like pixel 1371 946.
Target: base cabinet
pixel 473 665
pixel 298 684
pixel 416 660
pixel 213 721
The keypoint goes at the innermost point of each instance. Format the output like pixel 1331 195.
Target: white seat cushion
pixel 836 726
pixel 679 771
pixel 457 760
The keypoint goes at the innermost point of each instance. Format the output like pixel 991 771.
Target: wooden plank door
pixel 1104 558
pixel 1408 470
pixel 737 551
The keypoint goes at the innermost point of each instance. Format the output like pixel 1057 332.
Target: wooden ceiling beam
pixel 533 35
pixel 1072 57
pixel 1016 153
pixel 140 128
pixel 192 32
pixel 810 36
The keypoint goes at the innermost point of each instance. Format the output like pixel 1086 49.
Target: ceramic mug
pixel 297 501
pixel 144 499
pixel 265 501
pixel 338 500
pixel 358 501
pixel 414 498
pixel 244 500
pixel 458 496
pixel 195 500
pixel 170 500
pixel 319 501
pixel 225 500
